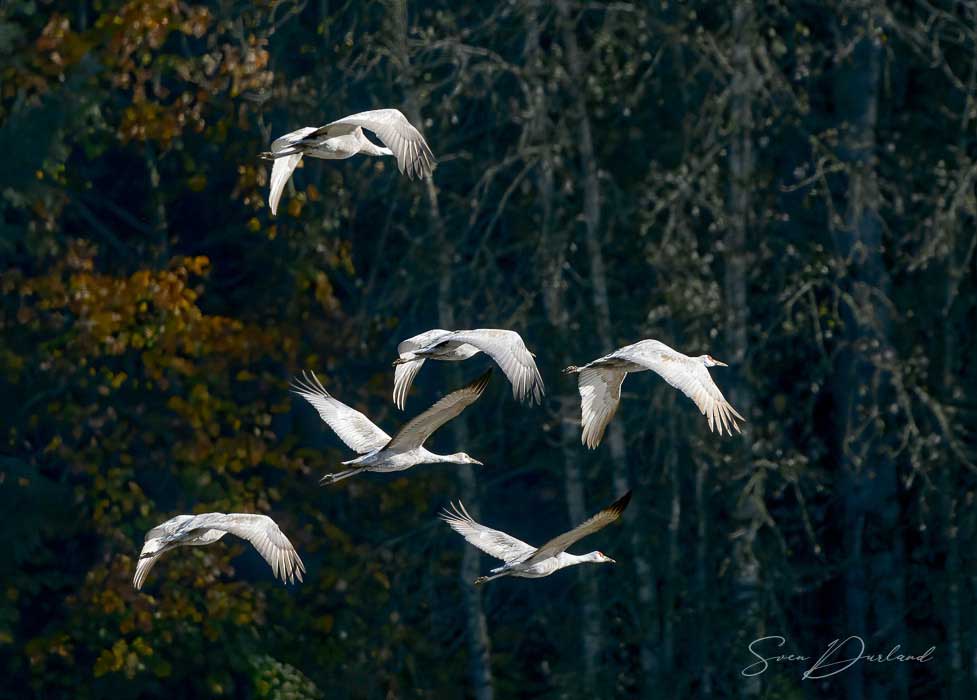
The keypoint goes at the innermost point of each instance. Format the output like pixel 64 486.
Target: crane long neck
pixel 432 457
pixel 572 559
pixel 454 458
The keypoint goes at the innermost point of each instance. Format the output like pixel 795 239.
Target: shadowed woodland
pixel 787 186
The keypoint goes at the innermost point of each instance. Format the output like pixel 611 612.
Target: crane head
pixel 710 361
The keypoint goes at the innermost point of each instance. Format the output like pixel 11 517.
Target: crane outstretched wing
pixel 493 542
pixel 600 395
pixel 404 374
pixel 406 370
pixel 158 541
pixel 414 156
pixel 510 353
pixel 418 429
pixel 284 165
pixel 587 527
pixel 266 537
pixel 356 430
pixel 147 559
pixel 692 378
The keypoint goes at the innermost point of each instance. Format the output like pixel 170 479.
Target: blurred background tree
pixel 789 187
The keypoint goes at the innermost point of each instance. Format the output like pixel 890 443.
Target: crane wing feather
pixel 493 542
pixel 600 395
pixel 418 429
pixel 284 165
pixel 587 527
pixel 266 537
pixel 281 171
pixel 692 378
pixel 355 429
pixel 405 372
pixel 510 353
pixel 414 156
pixel 261 531
pixel 146 562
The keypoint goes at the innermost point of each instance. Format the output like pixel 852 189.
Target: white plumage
pixel 600 385
pixel 524 560
pixel 380 452
pixel 344 138
pixel 206 528
pixel 505 347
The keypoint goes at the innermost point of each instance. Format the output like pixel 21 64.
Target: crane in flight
pixel 344 138
pixel 524 560
pixel 206 528
pixel 380 452
pixel 599 383
pixel 505 347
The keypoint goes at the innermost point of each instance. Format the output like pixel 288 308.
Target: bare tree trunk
pixel 741 165
pixel 161 224
pixel 591 621
pixel 479 645
pixel 953 631
pixel 971 581
pixel 671 576
pixel 598 280
pixel 956 576
pixel 703 636
pixel 854 498
pixel 553 248
pixel 871 494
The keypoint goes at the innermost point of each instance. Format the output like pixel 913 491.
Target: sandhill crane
pixel 526 561
pixel 505 347
pixel 206 528
pixel 344 138
pixel 600 385
pixel 380 452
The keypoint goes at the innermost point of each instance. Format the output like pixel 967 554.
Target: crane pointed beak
pixel 612 561
pixel 719 364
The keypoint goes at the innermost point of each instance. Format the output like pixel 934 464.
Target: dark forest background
pixel 788 186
